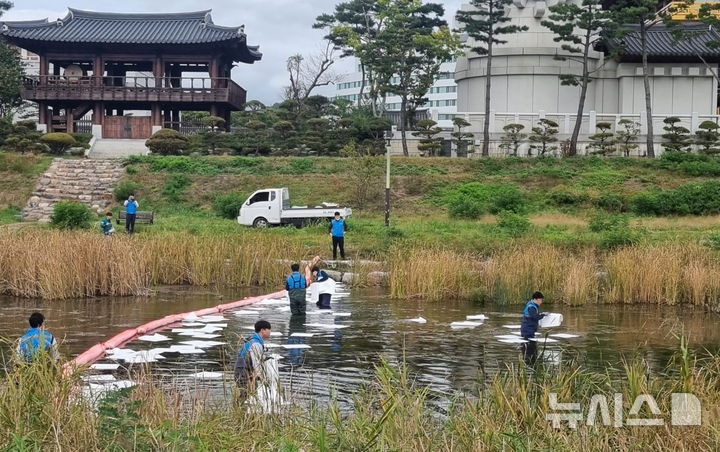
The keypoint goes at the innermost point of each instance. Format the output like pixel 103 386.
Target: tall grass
pixel 56 264
pixel 662 274
pixel 432 273
pixel 38 411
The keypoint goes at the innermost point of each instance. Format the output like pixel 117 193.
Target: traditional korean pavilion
pixel 101 66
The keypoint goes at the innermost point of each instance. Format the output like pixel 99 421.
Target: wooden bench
pixel 147 216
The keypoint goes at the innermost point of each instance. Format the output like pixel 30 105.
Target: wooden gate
pixel 135 127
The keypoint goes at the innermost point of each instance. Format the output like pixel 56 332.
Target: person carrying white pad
pixel 322 288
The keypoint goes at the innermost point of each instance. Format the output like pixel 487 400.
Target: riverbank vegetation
pixel 467 222
pixel 507 411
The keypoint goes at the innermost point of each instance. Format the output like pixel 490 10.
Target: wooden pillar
pixel 158 71
pixel 168 118
pixel 69 120
pixel 228 119
pixel 97 114
pixel 43 114
pixel 214 71
pixel 213 110
pixel 156 114
pixel 98 70
pixel 56 69
pixel 44 67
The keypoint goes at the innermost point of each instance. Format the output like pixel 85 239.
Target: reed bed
pixel 433 274
pixel 39 411
pixel 661 274
pixel 56 265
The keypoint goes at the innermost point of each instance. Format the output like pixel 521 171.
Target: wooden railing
pixel 134 89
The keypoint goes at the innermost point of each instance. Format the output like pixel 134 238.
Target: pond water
pixel 448 360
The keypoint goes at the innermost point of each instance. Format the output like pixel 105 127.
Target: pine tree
pixel 708 137
pixel 627 133
pixel 510 142
pixel 486 23
pixel 544 134
pixel 430 143
pixel 461 138
pixel 637 17
pixel 579 27
pixel 603 142
pixel 677 137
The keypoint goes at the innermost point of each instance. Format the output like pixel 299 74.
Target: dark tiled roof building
pixel 108 63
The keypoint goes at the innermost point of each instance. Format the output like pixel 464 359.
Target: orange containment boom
pixel 97 351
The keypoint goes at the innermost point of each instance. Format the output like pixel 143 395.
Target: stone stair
pixel 88 180
pixel 105 148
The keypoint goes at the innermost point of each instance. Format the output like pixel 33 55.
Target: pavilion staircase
pixel 90 181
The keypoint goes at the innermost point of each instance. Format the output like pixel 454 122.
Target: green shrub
pixel 228 205
pixel 713 241
pixel 124 189
pixel 81 137
pixel 513 224
pixel 615 238
pixel 647 203
pixel 175 186
pixel 71 215
pixel 130 169
pixel 473 199
pixel 604 222
pixel 167 142
pixel 564 198
pixel 695 198
pixel 301 165
pixel 58 142
pixel 612 202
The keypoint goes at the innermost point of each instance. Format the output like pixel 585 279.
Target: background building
pixel 526 84
pixel 442 97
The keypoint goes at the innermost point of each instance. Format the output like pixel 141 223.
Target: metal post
pixel 388 138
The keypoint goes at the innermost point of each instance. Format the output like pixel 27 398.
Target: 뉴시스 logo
pixel 685 410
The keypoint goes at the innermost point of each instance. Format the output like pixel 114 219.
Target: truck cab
pixel 271 206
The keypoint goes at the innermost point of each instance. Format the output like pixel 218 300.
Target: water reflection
pixel 342 358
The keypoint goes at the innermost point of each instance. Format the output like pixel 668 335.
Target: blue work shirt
pixel 530 320
pixel 33 340
pixel 338 227
pixel 131 206
pixel 295 281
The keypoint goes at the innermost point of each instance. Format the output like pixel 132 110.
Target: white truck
pixel 271 206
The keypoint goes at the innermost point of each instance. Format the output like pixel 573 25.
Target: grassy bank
pixel 18 176
pixel 41 412
pixel 653 273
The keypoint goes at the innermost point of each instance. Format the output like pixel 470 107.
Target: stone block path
pixel 90 181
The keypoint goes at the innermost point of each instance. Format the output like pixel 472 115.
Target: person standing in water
pixel 296 286
pixel 36 341
pixel 249 366
pixel 530 322
pixel 323 287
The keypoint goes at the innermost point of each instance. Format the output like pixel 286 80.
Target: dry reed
pixel 663 274
pixel 55 264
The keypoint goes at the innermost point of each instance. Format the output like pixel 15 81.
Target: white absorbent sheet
pixel 476 317
pixel 550 320
pixel 514 327
pixel 245 312
pixel 294 346
pixel 564 335
pixel 302 335
pixel 202 344
pixel 326 325
pixel 154 338
pixel 516 340
pixel 417 320
pixel 207 375
pixel 465 324
pixel 542 340
pixel 104 366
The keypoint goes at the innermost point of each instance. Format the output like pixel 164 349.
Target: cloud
pixel 280 27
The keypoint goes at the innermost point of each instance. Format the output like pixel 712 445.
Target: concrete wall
pixel 525 77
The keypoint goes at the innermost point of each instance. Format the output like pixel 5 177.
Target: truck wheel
pixel 260 222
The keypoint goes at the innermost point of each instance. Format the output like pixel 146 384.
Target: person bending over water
pixel 323 287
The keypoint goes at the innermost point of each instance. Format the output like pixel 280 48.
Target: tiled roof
pixel 121 28
pixel 660 42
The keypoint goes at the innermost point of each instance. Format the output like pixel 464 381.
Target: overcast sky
pixel 280 27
